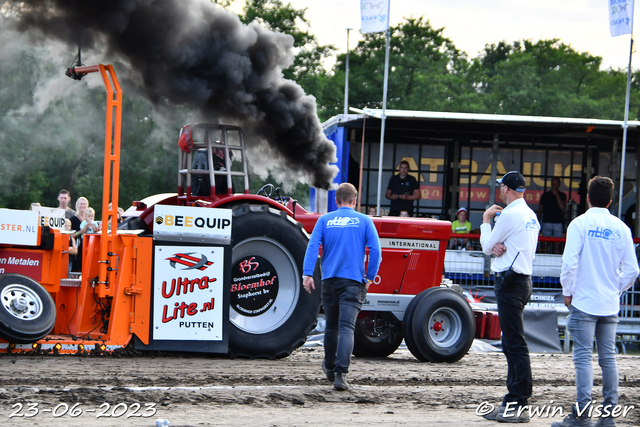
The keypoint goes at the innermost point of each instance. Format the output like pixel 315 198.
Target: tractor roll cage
pixel 205 136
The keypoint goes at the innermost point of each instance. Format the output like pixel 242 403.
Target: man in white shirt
pixel 599 263
pixel 513 242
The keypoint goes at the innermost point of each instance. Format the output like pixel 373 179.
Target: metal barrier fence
pixel 466 265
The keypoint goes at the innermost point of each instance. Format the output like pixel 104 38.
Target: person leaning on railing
pixel 461 225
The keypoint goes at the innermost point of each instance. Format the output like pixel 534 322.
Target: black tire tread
pixel 264 216
pixel 20 331
pixel 436 298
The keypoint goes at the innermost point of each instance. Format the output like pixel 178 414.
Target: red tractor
pixel 212 270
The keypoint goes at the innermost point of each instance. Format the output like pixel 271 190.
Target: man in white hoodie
pixel 598 264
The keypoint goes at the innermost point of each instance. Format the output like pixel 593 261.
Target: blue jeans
pixel 583 327
pixel 342 300
pixel 551 229
pixel 513 291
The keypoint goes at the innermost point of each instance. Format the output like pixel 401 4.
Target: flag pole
pixel 384 107
pixel 624 134
pixel 346 79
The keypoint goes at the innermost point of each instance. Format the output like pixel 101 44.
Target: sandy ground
pixel 200 390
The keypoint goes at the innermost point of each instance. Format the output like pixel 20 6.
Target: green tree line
pixel 53 137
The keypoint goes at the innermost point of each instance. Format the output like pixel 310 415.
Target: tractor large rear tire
pixel 27 311
pixel 272 317
pixel 442 325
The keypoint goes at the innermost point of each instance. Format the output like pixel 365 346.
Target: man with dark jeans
pixel 341 300
pixel 344 235
pixel 513 242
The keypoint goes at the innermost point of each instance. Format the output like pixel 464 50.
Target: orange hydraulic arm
pixel 111 175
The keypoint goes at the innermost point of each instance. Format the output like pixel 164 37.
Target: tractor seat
pixel 200 184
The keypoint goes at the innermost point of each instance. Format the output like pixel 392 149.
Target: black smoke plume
pixel 193 53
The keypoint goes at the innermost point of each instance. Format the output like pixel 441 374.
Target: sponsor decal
pixel 50 217
pixel 189 262
pixel 254 285
pixel 343 221
pixel 532 225
pixel 187 295
pixel 415 244
pixel 18 227
pixel 176 222
pixel 605 234
pixel 26 263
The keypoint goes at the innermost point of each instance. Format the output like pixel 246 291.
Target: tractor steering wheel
pixel 263 190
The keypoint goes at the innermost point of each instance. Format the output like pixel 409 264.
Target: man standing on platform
pixel 402 190
pixel 551 210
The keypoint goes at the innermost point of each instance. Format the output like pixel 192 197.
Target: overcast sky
pixel 470 24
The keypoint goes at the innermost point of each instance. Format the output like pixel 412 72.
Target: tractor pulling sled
pixel 207 270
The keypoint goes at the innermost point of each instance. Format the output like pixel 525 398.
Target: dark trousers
pixel 342 300
pixel 513 291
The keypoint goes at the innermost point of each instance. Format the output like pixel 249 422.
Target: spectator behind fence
pixel 90 223
pixel 64 197
pixel 81 208
pixel 460 226
pixel 599 263
pixel 402 190
pixel 73 246
pixel 371 211
pixel 551 210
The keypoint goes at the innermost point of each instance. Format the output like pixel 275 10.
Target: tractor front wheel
pixel 442 326
pixel 27 311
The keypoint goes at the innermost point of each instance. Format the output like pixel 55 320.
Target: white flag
pixel 620 17
pixel 374 16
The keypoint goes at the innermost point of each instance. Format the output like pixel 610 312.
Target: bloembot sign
pixel 187 297
pixel 183 223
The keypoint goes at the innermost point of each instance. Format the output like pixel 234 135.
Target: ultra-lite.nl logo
pixel 186 261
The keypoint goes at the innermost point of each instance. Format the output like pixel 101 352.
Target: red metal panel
pixel 481 320
pixel 492 329
pixel 391 273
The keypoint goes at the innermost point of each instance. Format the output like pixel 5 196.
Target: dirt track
pixel 198 390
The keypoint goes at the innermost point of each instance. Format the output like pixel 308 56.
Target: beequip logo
pixel 605 234
pixel 343 221
pixel 188 262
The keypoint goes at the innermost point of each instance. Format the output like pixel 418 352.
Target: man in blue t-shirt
pixel 344 235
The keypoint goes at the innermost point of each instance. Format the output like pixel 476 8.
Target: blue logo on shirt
pixel 604 233
pixel 343 221
pixel 532 225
